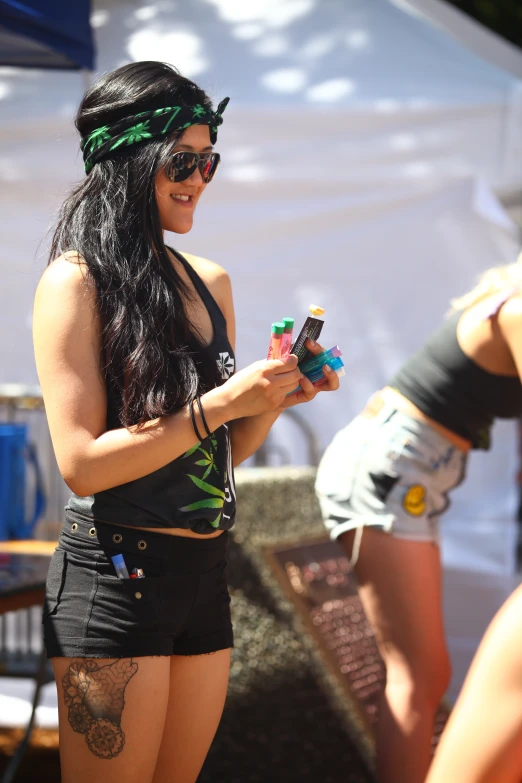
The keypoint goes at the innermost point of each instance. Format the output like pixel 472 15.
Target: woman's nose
pixel 195 179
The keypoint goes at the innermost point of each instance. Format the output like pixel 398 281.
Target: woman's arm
pixel 482 742
pixel 247 435
pixel 66 334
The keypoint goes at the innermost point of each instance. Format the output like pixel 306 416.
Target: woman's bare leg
pixel 112 715
pixel 482 742
pixel 400 588
pixel 198 688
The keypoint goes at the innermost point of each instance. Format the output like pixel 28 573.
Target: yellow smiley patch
pixel 414 501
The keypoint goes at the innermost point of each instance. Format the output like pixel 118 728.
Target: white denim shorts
pixel 390 471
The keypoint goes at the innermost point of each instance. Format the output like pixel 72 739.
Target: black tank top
pixel 195 491
pixel 451 389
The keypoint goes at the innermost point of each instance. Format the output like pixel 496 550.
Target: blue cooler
pixel 16 457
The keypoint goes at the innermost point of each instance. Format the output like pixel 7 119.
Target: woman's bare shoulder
pixel 69 270
pixel 208 270
pixel 218 283
pixel 216 279
pixel 66 276
pixel 66 293
pixel 510 317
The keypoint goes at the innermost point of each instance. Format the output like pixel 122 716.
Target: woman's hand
pixel 308 391
pixel 260 387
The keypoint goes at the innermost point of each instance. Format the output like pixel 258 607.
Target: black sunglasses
pixel 183 164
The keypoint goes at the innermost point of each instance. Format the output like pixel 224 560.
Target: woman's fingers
pixel 291 378
pixel 281 366
pixel 308 390
pixel 332 379
pixel 314 347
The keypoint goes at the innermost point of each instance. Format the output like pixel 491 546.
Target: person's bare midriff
pixel 173 531
pixel 406 406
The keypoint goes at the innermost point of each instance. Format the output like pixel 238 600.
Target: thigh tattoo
pixel 94 695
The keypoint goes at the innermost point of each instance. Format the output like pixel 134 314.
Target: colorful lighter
pixel 274 349
pixel 286 341
pixel 317 372
pixel 319 378
pixel 119 565
pixel 320 359
pixel 311 330
pixel 324 379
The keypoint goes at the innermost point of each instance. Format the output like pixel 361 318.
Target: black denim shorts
pixel 180 607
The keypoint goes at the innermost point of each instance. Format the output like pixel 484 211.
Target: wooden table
pixel 23 572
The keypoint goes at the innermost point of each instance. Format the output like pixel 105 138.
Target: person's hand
pixel 260 387
pixel 329 382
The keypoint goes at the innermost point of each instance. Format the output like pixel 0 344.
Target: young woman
pixel 134 347
pixel 383 484
pixel 482 742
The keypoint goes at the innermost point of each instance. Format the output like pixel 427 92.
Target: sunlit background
pixel 371 163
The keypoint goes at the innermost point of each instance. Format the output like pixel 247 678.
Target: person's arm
pixel 249 433
pixel 67 350
pixel 482 741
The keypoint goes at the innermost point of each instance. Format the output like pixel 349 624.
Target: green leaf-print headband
pixel 147 125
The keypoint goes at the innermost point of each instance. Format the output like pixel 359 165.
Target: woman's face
pixel 177 214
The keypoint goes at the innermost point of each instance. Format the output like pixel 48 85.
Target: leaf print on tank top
pixel 214 497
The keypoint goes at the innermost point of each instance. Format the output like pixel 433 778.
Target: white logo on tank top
pixel 226 365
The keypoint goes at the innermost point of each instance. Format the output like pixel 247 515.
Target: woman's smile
pixel 184 200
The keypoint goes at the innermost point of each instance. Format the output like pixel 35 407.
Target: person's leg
pixel 111 717
pixel 400 588
pixel 482 741
pixel 198 687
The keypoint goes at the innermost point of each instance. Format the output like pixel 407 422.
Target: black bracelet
pixel 200 408
pixel 192 416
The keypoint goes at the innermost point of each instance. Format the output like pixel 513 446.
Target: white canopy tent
pixel 348 121
pixel 362 149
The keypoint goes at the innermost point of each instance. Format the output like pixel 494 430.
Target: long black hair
pixel 112 221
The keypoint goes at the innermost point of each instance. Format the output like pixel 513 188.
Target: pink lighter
pixel 286 341
pixel 274 349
